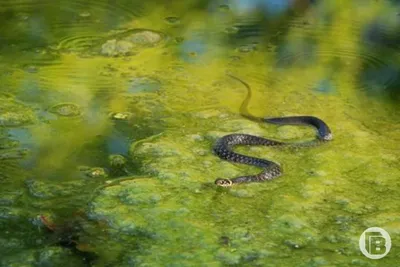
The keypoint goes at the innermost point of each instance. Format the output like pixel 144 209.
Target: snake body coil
pixel 223 148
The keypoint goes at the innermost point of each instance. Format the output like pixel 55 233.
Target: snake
pixel 224 146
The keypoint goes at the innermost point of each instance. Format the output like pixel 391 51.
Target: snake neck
pixel 243 110
pixel 269 173
pixel 323 132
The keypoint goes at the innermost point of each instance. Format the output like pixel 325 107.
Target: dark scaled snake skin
pixel 223 148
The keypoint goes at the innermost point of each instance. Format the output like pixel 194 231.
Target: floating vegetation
pixel 14 154
pixel 47 190
pixel 12 119
pixel 116 48
pixel 149 103
pixel 66 110
pixel 6 143
pixel 128 43
pixel 118 165
pixel 123 116
pixel 116 160
pixel 143 84
pixel 145 37
pixel 95 172
pixel 14 114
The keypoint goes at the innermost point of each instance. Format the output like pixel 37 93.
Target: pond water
pixel 109 111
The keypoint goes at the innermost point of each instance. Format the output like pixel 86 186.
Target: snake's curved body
pixel 223 148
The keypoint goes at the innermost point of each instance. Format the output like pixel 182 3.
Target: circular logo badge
pixel 375 243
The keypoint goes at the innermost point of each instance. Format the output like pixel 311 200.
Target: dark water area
pixel 109 111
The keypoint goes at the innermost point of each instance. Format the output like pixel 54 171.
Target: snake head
pixel 223 182
pixel 328 137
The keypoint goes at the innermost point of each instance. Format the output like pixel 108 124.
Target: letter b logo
pixel 375 243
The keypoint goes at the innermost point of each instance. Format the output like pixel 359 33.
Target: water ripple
pixel 81 8
pixel 78 43
pixel 77 23
pixel 383 71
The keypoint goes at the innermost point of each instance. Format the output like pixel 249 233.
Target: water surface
pixel 109 111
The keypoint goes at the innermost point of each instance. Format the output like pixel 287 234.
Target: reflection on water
pixel 108 111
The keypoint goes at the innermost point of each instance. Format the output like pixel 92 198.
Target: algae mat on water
pixel 314 214
pixel 108 114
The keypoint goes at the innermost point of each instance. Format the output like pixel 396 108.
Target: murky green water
pixel 109 111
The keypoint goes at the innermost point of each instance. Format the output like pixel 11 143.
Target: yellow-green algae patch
pixel 14 114
pixel 314 213
pixel 311 216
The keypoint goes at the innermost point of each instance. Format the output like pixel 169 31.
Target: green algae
pixel 169 213
pixel 39 189
pixel 117 161
pixel 290 214
pixel 66 110
pixel 93 172
pixel 315 212
pixel 44 257
pixel 14 114
pixel 6 143
pixel 127 43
